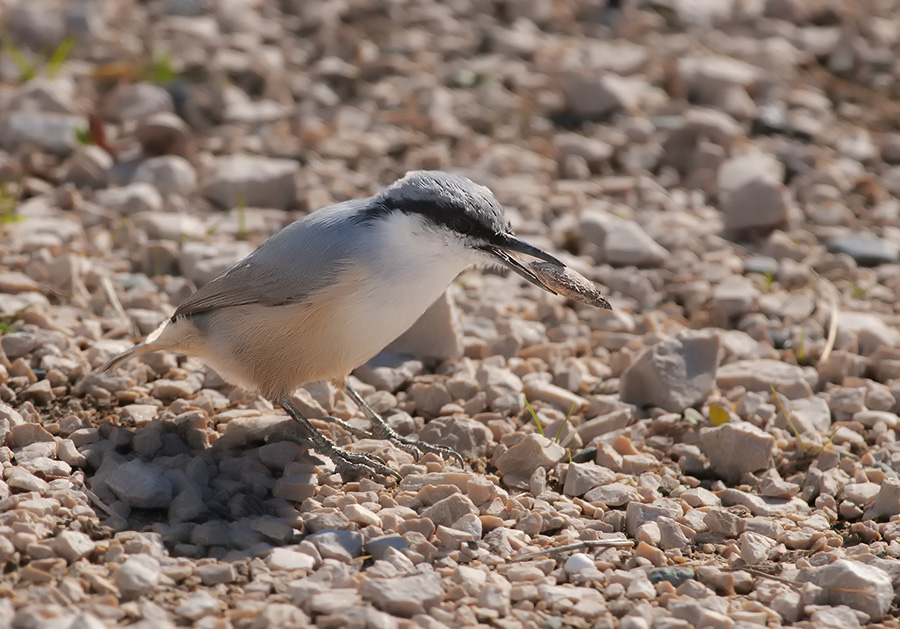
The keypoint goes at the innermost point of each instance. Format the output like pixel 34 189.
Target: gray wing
pixel 302 259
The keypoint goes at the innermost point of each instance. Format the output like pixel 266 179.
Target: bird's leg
pixel 347 463
pixel 381 430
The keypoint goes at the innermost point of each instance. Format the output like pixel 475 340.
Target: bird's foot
pixel 415 447
pixel 349 465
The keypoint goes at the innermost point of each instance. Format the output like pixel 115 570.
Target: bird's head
pixel 458 215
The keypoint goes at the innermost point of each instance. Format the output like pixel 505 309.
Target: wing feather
pixel 290 267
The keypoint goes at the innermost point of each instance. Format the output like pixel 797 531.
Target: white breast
pixel 408 270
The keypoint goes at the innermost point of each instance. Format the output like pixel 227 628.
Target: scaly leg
pixel 348 464
pixel 381 430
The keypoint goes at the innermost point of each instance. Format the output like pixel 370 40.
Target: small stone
pixel 137 576
pixel 735 448
pixel 73 545
pixel 17 344
pixel 519 462
pixel 295 487
pixel 870 330
pixel 755 548
pixel 582 477
pixel 866 249
pixel 340 545
pixel 808 415
pixel 675 576
pixel 596 96
pixel 578 562
pixel 169 174
pixel 216 573
pixel 139 485
pixel 887 502
pixel 467 437
pixel 163 133
pixel 131 199
pixel 723 522
pixel 673 374
pixel 621 242
pixel 41 393
pixel 198 604
pixel 612 495
pixel 252 181
pixel 760 205
pixel 447 511
pixel 287 559
pixel 404 596
pixel 26 434
pixel 638 513
pixel 378 546
pixel 52 132
pixel 129 102
pixel 764 506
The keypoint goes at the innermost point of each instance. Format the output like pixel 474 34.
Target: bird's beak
pixel 503 249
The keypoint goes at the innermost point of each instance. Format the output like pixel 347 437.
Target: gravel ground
pixel 719 450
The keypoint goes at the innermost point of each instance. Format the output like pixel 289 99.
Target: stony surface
pixel 725 172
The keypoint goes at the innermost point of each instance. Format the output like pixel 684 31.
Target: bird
pixel 331 290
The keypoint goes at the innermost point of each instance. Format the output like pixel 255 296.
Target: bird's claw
pixel 418 448
pixel 363 464
pixel 348 464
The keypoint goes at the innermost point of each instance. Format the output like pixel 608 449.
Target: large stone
pixel 253 181
pixel 735 448
pixel 51 132
pixel 866 249
pixel 595 96
pixel 137 576
pixel 761 374
pixel 857 585
pixel 139 485
pixel 469 438
pixel 404 596
pixel 169 174
pixel 870 330
pixel 620 242
pixel 582 477
pixel 131 199
pixel 435 335
pixel 519 462
pixel 675 373
pixel 760 205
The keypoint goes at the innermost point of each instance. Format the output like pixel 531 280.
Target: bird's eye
pixel 462 225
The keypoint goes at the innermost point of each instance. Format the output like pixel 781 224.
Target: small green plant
pixel 9 203
pixel 563 425
pixel 770 279
pixel 160 71
pixel 857 291
pixel 83 136
pixel 535 417
pixel 29 69
pixel 58 57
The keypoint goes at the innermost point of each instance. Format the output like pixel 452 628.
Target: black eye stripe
pixel 444 214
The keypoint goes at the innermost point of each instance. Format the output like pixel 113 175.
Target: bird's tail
pixel 155 341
